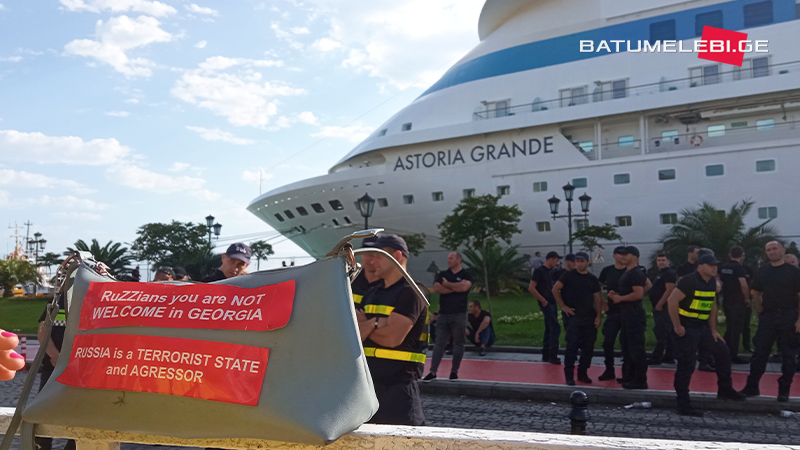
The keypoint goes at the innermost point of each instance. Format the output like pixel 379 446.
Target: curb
pixel 598 395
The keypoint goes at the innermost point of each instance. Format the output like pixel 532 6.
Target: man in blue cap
pixel 367 278
pixel 541 287
pixel 609 278
pixel 632 287
pixel 234 262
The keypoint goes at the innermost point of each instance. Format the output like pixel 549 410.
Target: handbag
pixel 268 355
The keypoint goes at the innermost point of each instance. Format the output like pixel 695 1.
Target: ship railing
pixel 605 92
pixel 770 131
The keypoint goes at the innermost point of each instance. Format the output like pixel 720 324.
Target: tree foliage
pixel 50 259
pixel 477 221
pixel 415 242
pixel 158 242
pixel 17 271
pixel 591 236
pixel 114 255
pixel 261 250
pixel 707 226
pixel 507 269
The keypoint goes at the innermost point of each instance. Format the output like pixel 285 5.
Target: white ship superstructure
pixel 525 112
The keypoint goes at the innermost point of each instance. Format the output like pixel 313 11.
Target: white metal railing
pixel 389 437
pixel 601 94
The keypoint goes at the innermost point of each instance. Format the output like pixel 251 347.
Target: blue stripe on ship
pixel 564 49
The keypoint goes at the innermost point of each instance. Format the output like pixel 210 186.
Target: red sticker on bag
pixel 205 306
pixel 229 373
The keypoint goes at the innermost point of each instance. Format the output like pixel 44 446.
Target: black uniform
pixel 779 286
pixel 747 340
pixel 552 330
pixel 360 286
pixel 662 325
pixel 395 370
pixel 578 292
pixel 634 325
pixel 214 276
pixel 609 277
pixel 694 311
pixel 733 303
pixel 686 268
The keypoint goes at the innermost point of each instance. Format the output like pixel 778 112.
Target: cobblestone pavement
pixel 531 416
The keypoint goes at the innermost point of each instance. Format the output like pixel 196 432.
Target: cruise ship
pixel 645 134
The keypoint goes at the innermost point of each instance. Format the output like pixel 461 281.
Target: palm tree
pixel 505 267
pixel 261 249
pixel 17 271
pixel 719 230
pixel 114 255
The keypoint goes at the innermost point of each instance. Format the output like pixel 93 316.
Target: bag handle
pixel 403 271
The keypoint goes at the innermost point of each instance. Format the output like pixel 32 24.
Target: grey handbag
pixel 314 382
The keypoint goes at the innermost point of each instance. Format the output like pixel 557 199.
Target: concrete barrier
pixel 385 437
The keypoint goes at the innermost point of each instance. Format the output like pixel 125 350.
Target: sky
pixel 118 113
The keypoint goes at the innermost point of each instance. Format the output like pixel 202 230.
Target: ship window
pixel 407 126
pixel 543 227
pixel 383 203
pixel 760 67
pixel 622 178
pixel 317 208
pixel 580 224
pixel 669 134
pixel 408 199
pixel 438 196
pixel 540 186
pixel 469 193
pixel 335 222
pixel 302 211
pixel 767 165
pixel 503 190
pixel 716 130
pixel 619 88
pixel 573 96
pixel 625 141
pixel 666 174
pixel 711 74
pixel 768 212
pixel 347 219
pixel 383 132
pixel 624 221
pixel 279 217
pixel 586 147
pixel 669 219
pixel 289 214
pixel 756 14
pixel 715 170
pixel 662 31
pixel 712 19
pixel 580 182
pixel 501 108
pixel 764 125
pixel 336 205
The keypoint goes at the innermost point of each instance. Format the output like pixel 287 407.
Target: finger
pixel 6 374
pixel 8 340
pixel 11 360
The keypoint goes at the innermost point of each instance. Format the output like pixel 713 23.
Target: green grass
pixel 530 333
pixel 21 313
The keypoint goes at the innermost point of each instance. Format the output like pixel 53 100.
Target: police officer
pixel 577 293
pixel 690 266
pixel 663 284
pixel 634 320
pixel 367 278
pixel 735 299
pixel 693 310
pixel 609 277
pixel 391 318
pixel 776 299
pixel 541 286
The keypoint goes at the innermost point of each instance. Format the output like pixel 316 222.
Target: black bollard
pixel 579 414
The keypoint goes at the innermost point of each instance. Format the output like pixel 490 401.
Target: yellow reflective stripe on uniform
pixel 62 315
pixel 423 337
pixel 396 355
pixel 357 298
pixel 378 309
pixel 701 305
pixel 685 313
pixel 704 293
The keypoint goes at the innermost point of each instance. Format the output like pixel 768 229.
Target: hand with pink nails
pixel 10 361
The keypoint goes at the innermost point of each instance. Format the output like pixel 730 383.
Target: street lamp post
pixel 569 191
pixel 214 228
pixel 366 204
pixel 35 246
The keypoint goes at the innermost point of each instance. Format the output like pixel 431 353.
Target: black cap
pixel 708 259
pixel 166 270
pixel 180 272
pixel 631 250
pixel 240 251
pixel 552 255
pixel 705 251
pixel 369 242
pixel 392 241
pixel 582 255
pixel 570 257
pixel 620 250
